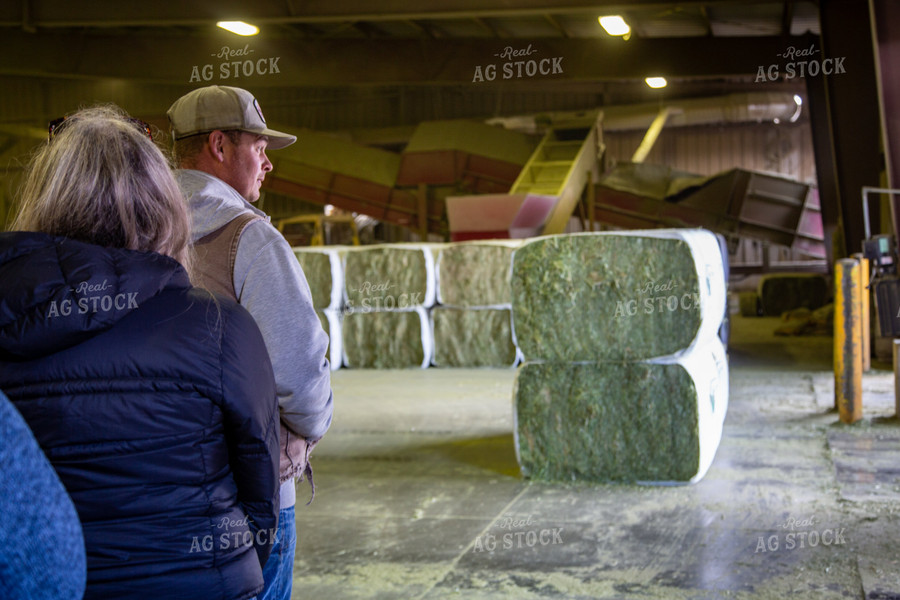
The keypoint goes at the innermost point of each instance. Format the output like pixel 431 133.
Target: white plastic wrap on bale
pixel 630 295
pixel 324 274
pixel 398 339
pixel 389 277
pixel 472 337
pixel 475 274
pixel 649 422
pixel 331 323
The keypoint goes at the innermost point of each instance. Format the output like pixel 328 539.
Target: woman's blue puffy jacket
pixel 155 403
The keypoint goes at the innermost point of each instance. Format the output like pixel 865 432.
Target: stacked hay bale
pixel 324 274
pixel 472 323
pixel 625 376
pixel 388 290
pixel 781 292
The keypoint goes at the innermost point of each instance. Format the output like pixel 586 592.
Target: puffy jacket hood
pixel 213 203
pixel 56 292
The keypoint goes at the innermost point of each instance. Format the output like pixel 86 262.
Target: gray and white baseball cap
pixel 222 107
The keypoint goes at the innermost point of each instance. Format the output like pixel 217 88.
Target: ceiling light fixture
pixel 238 27
pixel 614 25
pixel 656 82
pixel 799 102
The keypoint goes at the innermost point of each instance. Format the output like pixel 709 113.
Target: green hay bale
pixel 587 297
pixel 749 304
pixel 472 338
pixel 322 268
pixel 475 274
pixel 386 340
pixel 782 292
pixel 624 422
pixel 388 277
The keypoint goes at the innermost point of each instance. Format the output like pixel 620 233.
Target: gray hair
pixel 102 181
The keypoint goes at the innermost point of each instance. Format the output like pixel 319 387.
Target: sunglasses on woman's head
pixel 56 124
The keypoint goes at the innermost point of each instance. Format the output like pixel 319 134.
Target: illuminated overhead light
pixel 614 25
pixel 656 82
pixel 799 102
pixel 238 27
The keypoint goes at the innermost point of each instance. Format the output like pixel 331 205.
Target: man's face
pixel 246 164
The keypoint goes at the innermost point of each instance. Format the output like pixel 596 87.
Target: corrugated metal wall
pixel 784 148
pixel 34 102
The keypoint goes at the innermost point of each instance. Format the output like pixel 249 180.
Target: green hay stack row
pixel 628 296
pixel 632 422
pixel 387 291
pixel 472 337
pixel 389 277
pixel 626 378
pixel 387 339
pixel 473 326
pixel 475 274
pixel 324 274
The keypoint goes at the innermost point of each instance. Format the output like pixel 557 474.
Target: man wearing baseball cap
pixel 220 141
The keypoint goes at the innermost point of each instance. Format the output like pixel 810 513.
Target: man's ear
pixel 216 145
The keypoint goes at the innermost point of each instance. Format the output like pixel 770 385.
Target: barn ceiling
pixel 384 65
pixel 357 42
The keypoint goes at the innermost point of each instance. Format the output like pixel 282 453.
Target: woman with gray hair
pixel 141 389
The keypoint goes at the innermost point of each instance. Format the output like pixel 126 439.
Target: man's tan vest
pixel 214 270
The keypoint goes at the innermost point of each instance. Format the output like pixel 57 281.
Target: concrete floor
pixel 419 495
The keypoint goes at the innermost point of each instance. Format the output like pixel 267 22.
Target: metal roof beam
pixel 45 14
pixel 342 62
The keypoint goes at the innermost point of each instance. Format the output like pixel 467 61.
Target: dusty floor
pixel 419 495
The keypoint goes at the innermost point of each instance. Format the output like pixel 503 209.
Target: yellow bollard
pixel 847 341
pixel 864 300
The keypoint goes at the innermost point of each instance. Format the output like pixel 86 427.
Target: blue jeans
pixel 279 570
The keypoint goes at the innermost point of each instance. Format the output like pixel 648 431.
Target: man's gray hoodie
pixel 269 282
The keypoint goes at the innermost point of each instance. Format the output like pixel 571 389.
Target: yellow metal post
pixel 847 341
pixel 864 300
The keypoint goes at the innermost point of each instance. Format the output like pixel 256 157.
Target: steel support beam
pixel 114 13
pixel 851 106
pixel 887 19
pixel 826 169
